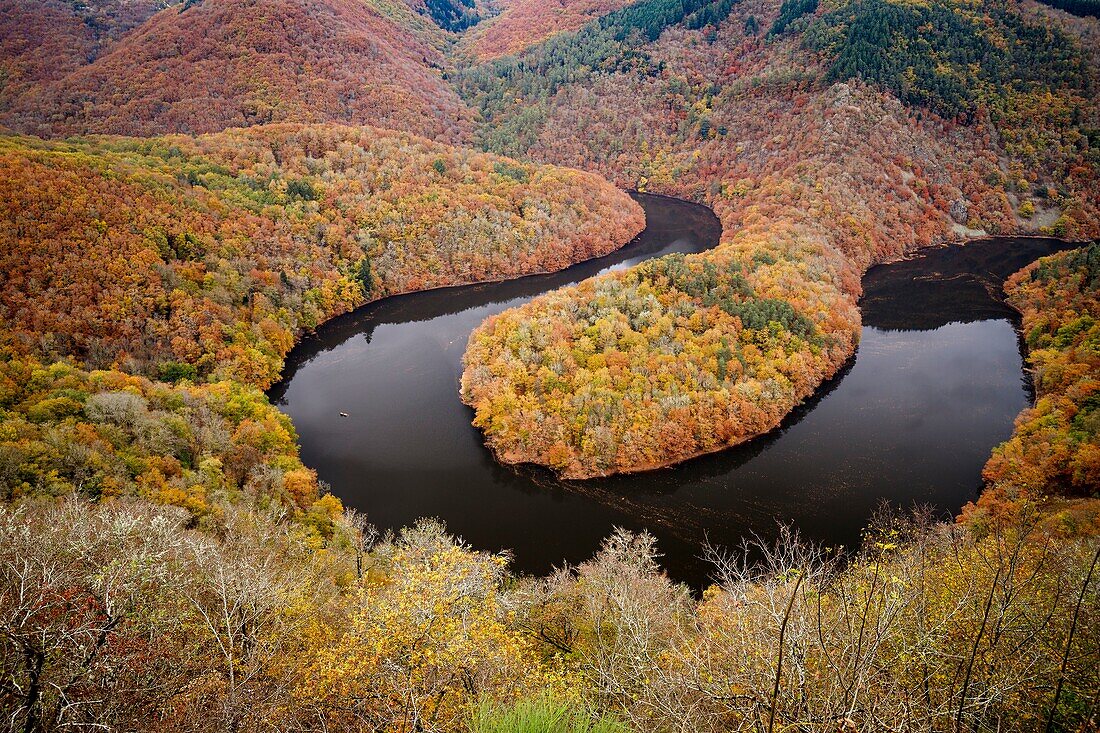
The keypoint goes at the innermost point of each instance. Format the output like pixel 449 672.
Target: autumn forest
pixel 190 190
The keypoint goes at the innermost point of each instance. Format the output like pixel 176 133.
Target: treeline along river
pixel 935 384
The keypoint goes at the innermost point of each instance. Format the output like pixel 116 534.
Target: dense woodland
pixel 168 563
pixel 205 66
pixel 106 434
pixel 674 358
pixel 990 58
pixel 526 23
pixel 198 257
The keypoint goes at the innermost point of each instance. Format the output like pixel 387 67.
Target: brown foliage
pixel 40 40
pixel 813 184
pixel 229 63
pixel 525 23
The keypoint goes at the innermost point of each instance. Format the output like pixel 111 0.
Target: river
pixel 935 383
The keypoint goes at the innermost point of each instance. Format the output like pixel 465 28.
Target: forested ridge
pixel 168 563
pixel 966 60
pixel 525 24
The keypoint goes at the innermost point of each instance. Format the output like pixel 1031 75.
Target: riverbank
pixel 719 415
pixel 393 368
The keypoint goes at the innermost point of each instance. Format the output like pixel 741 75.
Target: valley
pixel 345 387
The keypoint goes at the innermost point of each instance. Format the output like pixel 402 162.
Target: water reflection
pixel 936 382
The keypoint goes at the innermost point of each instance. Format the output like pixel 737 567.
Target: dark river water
pixel 935 384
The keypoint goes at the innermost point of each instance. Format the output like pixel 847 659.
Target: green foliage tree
pixel 363 275
pixel 789 12
pixel 944 56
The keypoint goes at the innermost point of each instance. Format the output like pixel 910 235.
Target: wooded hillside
pixel 1055 449
pixel 191 257
pixel 814 180
pixel 204 66
pixel 167 563
pixel 525 23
